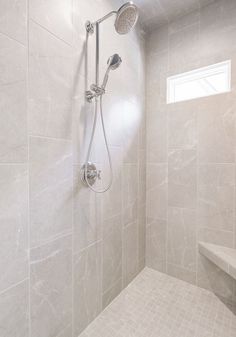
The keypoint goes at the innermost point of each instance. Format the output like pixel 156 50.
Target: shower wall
pixel 191 150
pixel 65 251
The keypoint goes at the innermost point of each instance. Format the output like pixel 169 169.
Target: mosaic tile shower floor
pixel 157 305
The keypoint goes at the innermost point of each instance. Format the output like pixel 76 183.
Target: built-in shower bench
pixel 223 257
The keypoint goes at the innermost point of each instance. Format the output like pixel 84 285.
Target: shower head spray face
pixel 113 63
pixel 126 18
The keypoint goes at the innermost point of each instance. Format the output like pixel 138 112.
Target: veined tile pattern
pixel 155 304
pixel 195 142
pixel 66 252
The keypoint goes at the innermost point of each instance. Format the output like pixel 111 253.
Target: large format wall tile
pixel 130 253
pixel 13 19
pixel 157 191
pixel 216 129
pixel 46 64
pixel 54 15
pixel 182 125
pixel 218 29
pixel 181 273
pixel 157 135
pixel 182 178
pixel 14 224
pixel 182 236
pixel 196 140
pixel 156 238
pixel 50 189
pixel 183 49
pixel 13 135
pixel 87 286
pixel 86 214
pixel 51 287
pixel 214 279
pixel 130 193
pixel 112 252
pixel 216 201
pixel 14 308
pixel 51 65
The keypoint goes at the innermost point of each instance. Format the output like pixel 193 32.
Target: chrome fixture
pixel 126 19
pixel 91 173
pixel 113 63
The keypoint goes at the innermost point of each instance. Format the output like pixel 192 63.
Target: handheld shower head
pixel 113 62
pixel 126 18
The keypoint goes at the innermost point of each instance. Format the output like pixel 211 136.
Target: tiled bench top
pixel 223 257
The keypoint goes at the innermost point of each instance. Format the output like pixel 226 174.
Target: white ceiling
pixel 154 13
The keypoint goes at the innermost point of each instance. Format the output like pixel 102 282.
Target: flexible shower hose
pixel 91 143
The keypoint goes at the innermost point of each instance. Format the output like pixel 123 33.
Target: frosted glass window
pixel 212 80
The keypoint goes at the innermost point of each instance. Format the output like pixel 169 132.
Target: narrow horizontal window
pixel 211 80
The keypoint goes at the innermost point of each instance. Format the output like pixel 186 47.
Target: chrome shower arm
pixel 90 25
pixel 105 17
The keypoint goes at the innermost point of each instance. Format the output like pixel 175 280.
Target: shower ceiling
pixel 154 13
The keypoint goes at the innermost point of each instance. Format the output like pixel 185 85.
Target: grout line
pixel 51 33
pixel 50 138
pixel 28 155
pixel 52 240
pixel 167 163
pixel 197 180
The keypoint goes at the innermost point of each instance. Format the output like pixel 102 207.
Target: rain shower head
pixel 126 18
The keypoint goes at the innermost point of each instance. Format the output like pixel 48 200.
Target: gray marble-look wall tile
pixel 157 134
pixel 217 29
pixel 13 135
pixel 130 253
pixel 51 189
pixel 142 232
pixel 216 129
pixel 51 65
pixel 175 8
pixel 157 191
pixel 184 21
pixel 214 279
pixel 216 202
pixel 182 238
pixel 156 239
pixel 131 121
pixel 86 214
pixel 56 16
pixel 130 193
pixel 181 273
pixel 183 49
pixel 182 178
pixel 67 332
pixel 14 224
pixel 215 236
pixel 13 19
pixel 14 308
pixel 51 287
pixel 158 40
pixel 182 125
pixel 111 252
pixel 111 293
pixel 87 287
pixel 142 177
